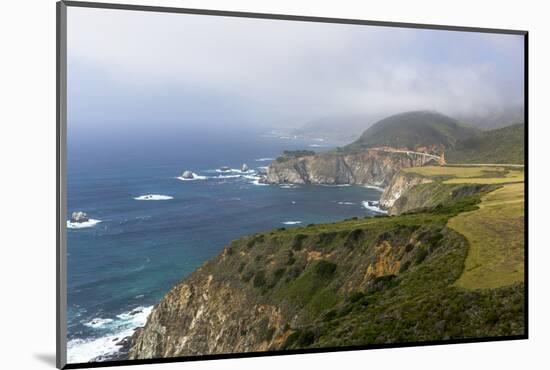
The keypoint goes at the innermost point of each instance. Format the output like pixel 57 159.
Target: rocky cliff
pixel 409 191
pixel 399 185
pixel 357 282
pixel 368 167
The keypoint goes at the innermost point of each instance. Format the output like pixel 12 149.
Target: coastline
pixel 113 346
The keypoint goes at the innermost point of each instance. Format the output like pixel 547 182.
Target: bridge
pixel 439 159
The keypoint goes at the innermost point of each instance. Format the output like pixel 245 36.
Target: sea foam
pixel 255 180
pixel 291 222
pixel 82 225
pixel 98 322
pixel 373 208
pixel 378 188
pixel 79 350
pixel 154 197
pixel 195 178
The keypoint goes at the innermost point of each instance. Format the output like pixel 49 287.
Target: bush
pixel 291 258
pixel 242 266
pixel 298 241
pixel 305 339
pixel 420 256
pixel 277 275
pixel 325 239
pixel 259 279
pixel 325 269
pixel 356 296
pixel 404 267
pixel 247 276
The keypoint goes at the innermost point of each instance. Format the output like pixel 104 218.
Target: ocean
pixel 149 229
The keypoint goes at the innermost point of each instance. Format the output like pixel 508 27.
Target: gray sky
pixel 131 67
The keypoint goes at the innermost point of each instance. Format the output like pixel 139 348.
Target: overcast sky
pixel 130 67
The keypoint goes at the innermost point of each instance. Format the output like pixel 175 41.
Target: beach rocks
pixel 79 217
pixel 187 175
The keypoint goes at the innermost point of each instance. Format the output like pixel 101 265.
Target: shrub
pixel 259 279
pixel 306 338
pixel 325 269
pixel 277 275
pixel 356 296
pixel 325 239
pixel 298 241
pixel 420 256
pixel 404 267
pixel 242 266
pixel 247 276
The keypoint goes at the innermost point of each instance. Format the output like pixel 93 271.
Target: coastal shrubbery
pixel 317 274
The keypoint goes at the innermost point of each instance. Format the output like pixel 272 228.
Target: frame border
pixel 61 183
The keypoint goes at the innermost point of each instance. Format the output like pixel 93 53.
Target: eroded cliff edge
pixel 368 167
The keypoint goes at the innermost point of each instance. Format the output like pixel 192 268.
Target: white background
pixel 27 185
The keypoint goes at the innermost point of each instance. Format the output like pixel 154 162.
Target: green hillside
pixel 418 130
pixel 504 146
pixel 378 280
pixel 448 266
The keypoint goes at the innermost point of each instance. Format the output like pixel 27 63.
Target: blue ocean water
pixel 121 266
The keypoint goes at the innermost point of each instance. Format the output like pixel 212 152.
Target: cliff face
pixel 369 167
pixel 400 184
pixel 409 191
pixel 356 282
pixel 204 315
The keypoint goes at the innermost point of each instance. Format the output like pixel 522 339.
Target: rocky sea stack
pixel 187 175
pixel 79 217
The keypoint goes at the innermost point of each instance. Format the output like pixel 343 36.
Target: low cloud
pixel 278 73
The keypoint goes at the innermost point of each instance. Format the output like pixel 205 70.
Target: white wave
pixel 81 350
pixel 262 167
pixel 317 145
pixel 374 207
pixel 138 315
pixel 98 322
pixel 82 225
pixel 154 197
pixel 336 185
pixel 232 170
pixel 291 222
pixel 346 203
pixel 195 178
pixel 226 176
pixel 255 180
pixel 258 183
pixel 374 187
pixel 293 202
pixel 287 186
pixel 252 177
pixel 264 159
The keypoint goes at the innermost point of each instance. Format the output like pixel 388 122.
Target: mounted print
pixel 237 184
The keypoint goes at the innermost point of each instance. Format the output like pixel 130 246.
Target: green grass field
pixel 495 231
pixel 470 174
pixel 496 235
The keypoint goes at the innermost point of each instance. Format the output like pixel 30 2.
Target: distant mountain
pixel 343 128
pixel 494 118
pixel 504 145
pixel 425 131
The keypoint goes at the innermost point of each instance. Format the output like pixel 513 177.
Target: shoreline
pixel 115 346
